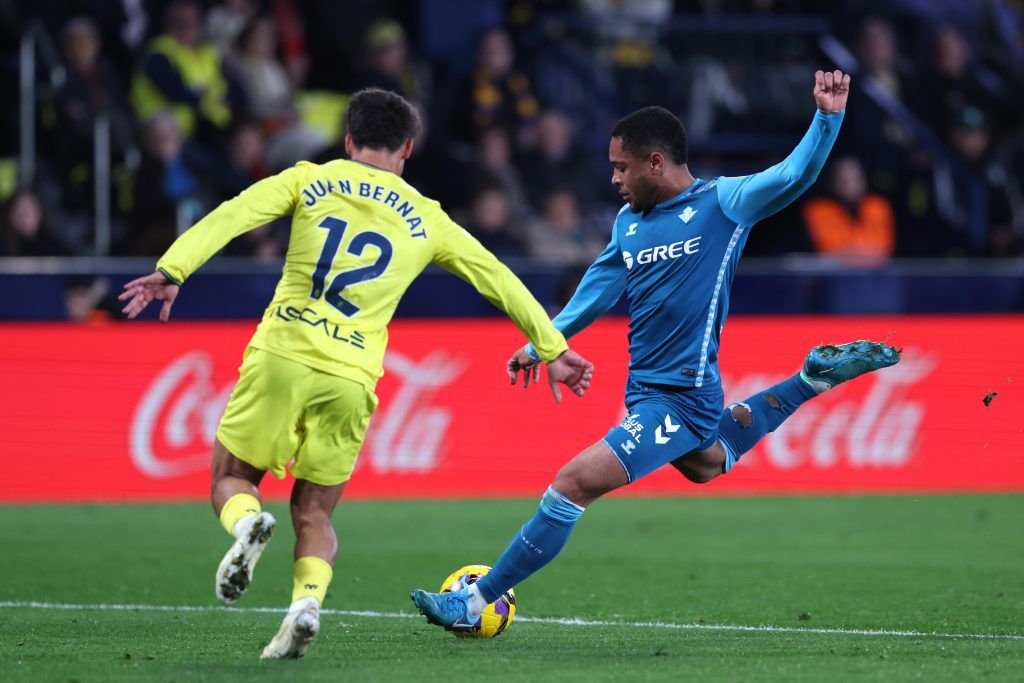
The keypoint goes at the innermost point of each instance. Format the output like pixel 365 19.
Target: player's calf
pixel 744 424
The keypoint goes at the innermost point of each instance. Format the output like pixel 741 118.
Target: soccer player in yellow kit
pixel 360 235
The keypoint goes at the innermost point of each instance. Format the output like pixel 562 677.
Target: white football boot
pixel 297 631
pixel 235 571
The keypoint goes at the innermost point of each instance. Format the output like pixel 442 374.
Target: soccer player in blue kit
pixel 673 251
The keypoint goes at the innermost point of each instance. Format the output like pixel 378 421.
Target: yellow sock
pixel 312 576
pixel 238 506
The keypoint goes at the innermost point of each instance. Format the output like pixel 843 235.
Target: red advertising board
pixel 128 412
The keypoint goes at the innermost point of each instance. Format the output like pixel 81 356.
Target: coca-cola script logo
pixel 176 420
pixel 878 430
pixel 175 423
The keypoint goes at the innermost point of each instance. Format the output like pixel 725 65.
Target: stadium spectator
pixel 389 65
pixel 270 97
pixel 851 223
pixel 226 21
pixel 168 177
pixel 560 237
pixel 434 170
pixel 627 35
pixel 245 162
pixel 185 75
pixel 91 88
pixel 490 221
pixel 291 35
pixel 955 82
pixel 971 138
pixel 555 162
pixel 88 299
pixel 268 90
pixel 878 53
pixel 497 92
pixel 493 167
pixel 25 229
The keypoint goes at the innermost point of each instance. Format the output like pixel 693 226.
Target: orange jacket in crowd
pixel 871 231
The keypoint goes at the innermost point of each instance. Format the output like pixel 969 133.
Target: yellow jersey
pixel 360 235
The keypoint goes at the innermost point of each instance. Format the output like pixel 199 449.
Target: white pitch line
pixel 528 620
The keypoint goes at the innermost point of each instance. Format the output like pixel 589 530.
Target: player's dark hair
pixel 650 129
pixel 381 119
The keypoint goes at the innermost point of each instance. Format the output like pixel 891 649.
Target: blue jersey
pixel 676 263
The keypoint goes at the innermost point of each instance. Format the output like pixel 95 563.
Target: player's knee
pixel 700 476
pixel 576 486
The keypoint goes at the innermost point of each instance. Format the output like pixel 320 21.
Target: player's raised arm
pixel 461 254
pixel 749 199
pixel 261 203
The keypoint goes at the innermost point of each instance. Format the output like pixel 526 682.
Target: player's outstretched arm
pixel 259 204
pixel 141 291
pixel 749 199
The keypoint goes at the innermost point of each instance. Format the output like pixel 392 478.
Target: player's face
pixel 631 177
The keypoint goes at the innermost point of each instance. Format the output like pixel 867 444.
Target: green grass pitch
pixel 929 564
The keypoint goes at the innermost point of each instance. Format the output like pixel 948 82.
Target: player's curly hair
pixel 381 119
pixel 653 128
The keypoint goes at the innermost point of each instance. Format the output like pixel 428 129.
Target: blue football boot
pixel 449 610
pixel 830 364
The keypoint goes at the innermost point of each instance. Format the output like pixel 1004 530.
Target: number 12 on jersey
pixel 335 228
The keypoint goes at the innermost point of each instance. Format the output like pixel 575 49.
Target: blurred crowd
pixel 517 97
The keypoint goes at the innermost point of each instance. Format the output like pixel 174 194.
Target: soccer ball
pixel 496 616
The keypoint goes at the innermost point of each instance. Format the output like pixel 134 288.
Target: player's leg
pixel 744 424
pixel 257 433
pixel 234 487
pixel 316 548
pixel 236 501
pixel 336 419
pixel 661 425
pixel 592 473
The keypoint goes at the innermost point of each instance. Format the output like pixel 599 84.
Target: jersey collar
pixel 671 203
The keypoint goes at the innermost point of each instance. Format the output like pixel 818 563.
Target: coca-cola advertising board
pixel 129 411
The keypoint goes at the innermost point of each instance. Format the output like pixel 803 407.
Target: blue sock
pixel 744 424
pixel 536 544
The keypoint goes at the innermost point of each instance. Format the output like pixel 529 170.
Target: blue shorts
pixel 663 424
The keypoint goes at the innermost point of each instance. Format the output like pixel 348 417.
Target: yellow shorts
pixel 282 410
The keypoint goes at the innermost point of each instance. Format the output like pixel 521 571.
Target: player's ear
pixel 407 148
pixel 657 162
pixel 350 146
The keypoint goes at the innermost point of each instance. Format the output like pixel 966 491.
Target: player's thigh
pixel 261 425
pixel 643 443
pixel 702 465
pixel 592 473
pixel 336 421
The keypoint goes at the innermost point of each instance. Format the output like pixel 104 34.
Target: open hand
pixel 831 90
pixel 143 290
pixel 572 370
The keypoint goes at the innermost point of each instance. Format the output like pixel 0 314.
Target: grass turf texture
pixel 946 564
